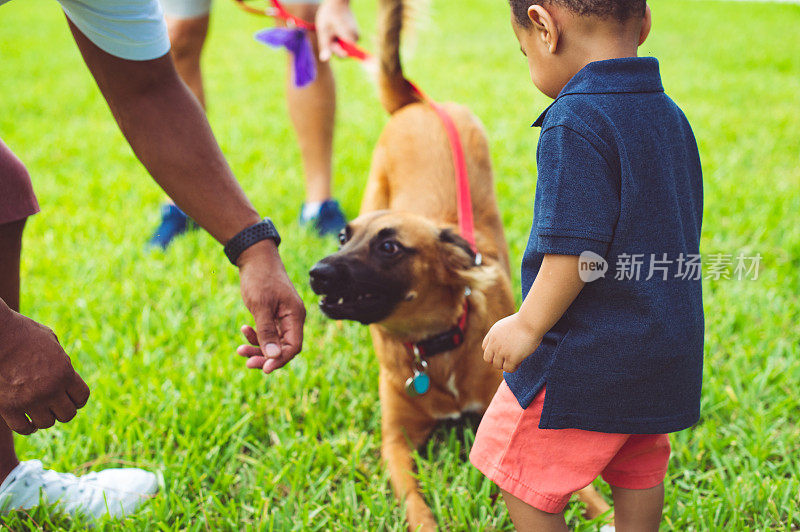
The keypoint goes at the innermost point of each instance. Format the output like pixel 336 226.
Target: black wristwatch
pixel 263 230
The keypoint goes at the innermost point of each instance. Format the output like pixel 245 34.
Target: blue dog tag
pixel 422 383
pixel 419 383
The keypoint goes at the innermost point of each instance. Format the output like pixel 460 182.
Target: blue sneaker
pixel 329 220
pixel 173 223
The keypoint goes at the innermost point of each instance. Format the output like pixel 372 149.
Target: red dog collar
pixel 443 342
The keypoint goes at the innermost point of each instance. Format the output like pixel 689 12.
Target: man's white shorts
pixel 130 29
pixel 199 8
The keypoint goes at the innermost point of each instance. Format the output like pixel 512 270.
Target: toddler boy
pixel 597 373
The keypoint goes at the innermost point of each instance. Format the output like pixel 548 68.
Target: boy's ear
pixel 647 24
pixel 545 26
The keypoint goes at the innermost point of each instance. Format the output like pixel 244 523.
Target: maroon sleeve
pixel 17 200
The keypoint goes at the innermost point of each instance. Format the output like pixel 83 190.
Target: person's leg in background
pixel 188 35
pixel 187 22
pixel 312 110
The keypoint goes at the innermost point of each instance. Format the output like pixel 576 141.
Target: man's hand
pixel 37 382
pixel 278 310
pixel 509 342
pixel 335 21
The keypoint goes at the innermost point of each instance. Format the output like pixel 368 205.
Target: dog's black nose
pixel 323 277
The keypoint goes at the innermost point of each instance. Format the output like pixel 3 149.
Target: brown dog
pixel 403 269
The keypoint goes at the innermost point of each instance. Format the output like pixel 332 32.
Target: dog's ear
pixel 456 251
pixel 461 264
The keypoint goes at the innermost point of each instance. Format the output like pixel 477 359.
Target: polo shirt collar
pixel 612 76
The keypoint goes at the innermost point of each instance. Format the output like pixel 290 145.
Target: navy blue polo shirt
pixel 619 175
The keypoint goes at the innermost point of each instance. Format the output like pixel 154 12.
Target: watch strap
pixel 263 230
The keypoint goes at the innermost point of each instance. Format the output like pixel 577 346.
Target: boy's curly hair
pixel 621 10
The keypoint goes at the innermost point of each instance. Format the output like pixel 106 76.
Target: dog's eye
pixel 389 247
pixel 342 237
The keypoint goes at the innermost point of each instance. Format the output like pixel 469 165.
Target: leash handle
pixel 350 48
pixel 253 10
pixel 279 11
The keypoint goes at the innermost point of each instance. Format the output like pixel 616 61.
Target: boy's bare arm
pixel 514 338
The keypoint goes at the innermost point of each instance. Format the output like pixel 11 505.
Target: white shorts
pixel 199 8
pixel 130 29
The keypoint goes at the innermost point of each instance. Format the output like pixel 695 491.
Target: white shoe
pixel 113 492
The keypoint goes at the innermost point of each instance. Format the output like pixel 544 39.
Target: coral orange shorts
pixel 544 467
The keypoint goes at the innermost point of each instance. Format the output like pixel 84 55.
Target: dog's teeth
pixel 341 300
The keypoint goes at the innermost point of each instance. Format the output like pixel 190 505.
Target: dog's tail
pixel 393 17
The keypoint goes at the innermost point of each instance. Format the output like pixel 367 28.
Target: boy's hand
pixel 509 342
pixel 514 338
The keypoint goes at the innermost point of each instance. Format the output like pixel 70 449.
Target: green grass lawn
pixel 154 333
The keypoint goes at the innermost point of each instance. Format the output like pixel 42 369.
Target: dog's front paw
pixel 420 517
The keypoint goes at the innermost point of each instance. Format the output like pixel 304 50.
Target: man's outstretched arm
pixel 169 133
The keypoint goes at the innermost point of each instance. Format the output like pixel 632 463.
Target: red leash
pixel 466 224
pixel 350 48
pixel 278 11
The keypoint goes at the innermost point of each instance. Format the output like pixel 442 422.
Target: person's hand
pixel 38 384
pixel 335 21
pixel 274 303
pixel 509 342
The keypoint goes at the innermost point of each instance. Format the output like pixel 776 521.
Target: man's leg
pixel 10 248
pixel 638 510
pixel 312 110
